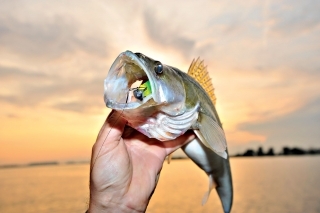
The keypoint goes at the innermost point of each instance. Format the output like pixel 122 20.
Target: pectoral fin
pixel 212 135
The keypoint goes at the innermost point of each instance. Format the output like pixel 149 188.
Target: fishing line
pixel 95 159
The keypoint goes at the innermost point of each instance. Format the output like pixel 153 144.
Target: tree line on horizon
pixel 285 151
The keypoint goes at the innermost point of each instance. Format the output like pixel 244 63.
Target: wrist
pixel 114 208
pixel 98 205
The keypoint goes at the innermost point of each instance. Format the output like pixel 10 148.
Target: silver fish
pixel 163 102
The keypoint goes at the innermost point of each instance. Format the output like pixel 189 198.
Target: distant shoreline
pixel 46 163
pixel 286 151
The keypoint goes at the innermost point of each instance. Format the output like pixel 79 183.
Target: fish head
pixel 135 80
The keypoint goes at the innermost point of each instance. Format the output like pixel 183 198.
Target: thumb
pixel 108 137
pixel 111 130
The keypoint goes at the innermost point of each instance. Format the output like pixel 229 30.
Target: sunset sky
pixel 263 57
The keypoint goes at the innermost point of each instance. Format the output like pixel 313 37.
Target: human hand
pixel 125 167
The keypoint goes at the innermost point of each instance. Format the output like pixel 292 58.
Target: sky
pixel 263 58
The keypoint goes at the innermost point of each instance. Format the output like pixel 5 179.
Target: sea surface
pixel 265 184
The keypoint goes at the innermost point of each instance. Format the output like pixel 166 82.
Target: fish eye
pixel 158 67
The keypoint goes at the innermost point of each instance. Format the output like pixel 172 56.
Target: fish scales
pixel 174 103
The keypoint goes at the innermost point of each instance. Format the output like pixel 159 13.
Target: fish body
pixel 163 102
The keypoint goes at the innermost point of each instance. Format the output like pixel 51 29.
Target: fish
pixel 162 102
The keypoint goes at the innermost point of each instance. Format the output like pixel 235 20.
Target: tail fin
pixel 217 168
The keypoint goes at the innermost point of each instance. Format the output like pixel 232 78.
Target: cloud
pixel 34 89
pixel 55 55
pixel 14 73
pixel 62 96
pixel 299 128
pixel 75 106
pixel 52 56
pixel 295 17
pixel 12 115
pixel 47 37
pixel 166 34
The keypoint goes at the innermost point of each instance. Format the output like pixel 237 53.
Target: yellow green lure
pixel 146 88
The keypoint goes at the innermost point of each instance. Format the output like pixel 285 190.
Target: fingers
pixel 111 130
pixel 158 148
pixel 177 143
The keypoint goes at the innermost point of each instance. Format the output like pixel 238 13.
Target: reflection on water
pixel 276 184
pixel 44 189
pixel 268 184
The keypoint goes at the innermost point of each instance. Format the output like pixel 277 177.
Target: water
pixel 44 189
pixel 271 184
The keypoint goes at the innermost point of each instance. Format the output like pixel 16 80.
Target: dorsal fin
pixel 199 72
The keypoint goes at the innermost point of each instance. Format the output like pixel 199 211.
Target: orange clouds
pixel 54 56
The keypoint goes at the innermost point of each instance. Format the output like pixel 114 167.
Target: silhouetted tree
pixel 298 151
pixel 286 151
pixel 270 152
pixel 314 151
pixel 260 151
pixel 249 152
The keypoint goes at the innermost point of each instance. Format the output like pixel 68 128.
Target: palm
pixel 127 167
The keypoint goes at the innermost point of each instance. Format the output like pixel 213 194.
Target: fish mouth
pixel 128 84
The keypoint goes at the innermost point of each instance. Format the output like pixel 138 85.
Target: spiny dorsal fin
pixel 199 72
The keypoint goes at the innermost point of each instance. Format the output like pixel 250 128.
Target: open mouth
pixel 127 84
